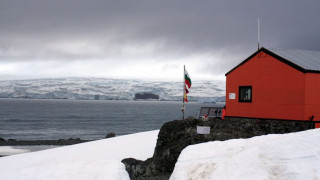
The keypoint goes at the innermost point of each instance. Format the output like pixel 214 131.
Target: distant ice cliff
pixel 110 89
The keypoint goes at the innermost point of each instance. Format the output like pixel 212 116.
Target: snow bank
pixel 289 156
pixel 93 160
pixel 8 150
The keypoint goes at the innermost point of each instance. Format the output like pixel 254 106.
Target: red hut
pixel 276 84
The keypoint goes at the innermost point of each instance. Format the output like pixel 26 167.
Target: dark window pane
pixel 245 93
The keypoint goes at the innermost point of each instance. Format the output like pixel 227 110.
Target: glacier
pixel 212 91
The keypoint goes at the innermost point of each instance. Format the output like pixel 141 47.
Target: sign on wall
pixel 203 130
pixel 232 95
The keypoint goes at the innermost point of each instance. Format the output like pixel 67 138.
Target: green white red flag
pixel 187 79
pixel 187 85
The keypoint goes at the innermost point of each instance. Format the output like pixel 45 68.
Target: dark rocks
pixel 174 136
pixel 141 170
pixel 134 166
pixel 110 135
pixel 60 142
pixel 2 140
pixel 145 95
pixel 12 141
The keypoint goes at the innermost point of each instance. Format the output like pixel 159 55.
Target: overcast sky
pixel 146 39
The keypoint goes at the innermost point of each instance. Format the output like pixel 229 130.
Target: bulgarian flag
pixel 187 84
pixel 187 79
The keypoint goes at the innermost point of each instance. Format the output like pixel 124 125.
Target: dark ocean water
pixel 30 119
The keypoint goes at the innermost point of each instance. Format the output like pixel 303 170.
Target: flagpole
pixel 184 79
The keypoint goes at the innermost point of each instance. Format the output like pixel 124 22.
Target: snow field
pixel 93 160
pixel 289 156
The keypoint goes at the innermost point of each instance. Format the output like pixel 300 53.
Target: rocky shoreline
pixel 174 136
pixel 59 142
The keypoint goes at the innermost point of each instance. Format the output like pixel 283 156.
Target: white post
pixel 258 33
pixel 184 79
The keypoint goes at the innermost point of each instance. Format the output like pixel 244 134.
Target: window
pixel 245 93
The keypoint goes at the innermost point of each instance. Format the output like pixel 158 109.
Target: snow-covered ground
pixel 292 156
pixel 93 160
pixel 7 150
pixel 289 156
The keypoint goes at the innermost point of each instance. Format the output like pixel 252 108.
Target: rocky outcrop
pixel 174 136
pixel 110 135
pixel 145 96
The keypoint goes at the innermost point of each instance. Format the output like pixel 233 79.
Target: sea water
pixel 48 119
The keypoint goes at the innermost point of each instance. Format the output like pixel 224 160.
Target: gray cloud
pixel 219 33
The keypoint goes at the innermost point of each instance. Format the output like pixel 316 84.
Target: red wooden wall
pixel 278 90
pixel 312 98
